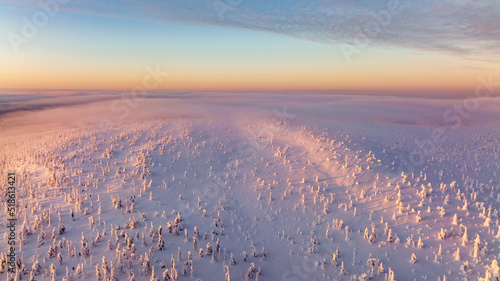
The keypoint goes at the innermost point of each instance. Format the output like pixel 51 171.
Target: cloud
pixel 466 28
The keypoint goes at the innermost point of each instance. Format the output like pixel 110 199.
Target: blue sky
pixel 237 44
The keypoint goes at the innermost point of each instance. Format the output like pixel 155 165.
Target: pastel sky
pixel 381 46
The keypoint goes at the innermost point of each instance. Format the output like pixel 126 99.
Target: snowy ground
pixel 308 178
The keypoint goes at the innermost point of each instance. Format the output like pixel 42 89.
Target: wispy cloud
pixel 464 27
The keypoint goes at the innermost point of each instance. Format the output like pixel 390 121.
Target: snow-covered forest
pixel 282 188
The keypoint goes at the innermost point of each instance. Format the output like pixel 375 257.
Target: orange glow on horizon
pixel 384 80
pixel 377 72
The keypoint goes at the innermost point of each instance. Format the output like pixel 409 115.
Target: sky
pixel 356 46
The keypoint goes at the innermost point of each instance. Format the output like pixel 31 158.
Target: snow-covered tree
pixel 418 217
pixel 413 258
pixel 334 259
pixel 255 253
pixel 209 249
pixel 390 275
pixel 477 248
pixel 263 254
pixel 232 260
pixel 495 270
pixel 153 275
pixel 36 267
pixel 244 256
pixel 161 244
pixel 105 266
pixel 98 274
pixel 166 275
pixel 389 236
pixel 112 272
pixel 457 254
pixel 52 272
pixel 342 269
pixel 146 264
pixel 465 237
pixel 84 250
pixel 420 244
